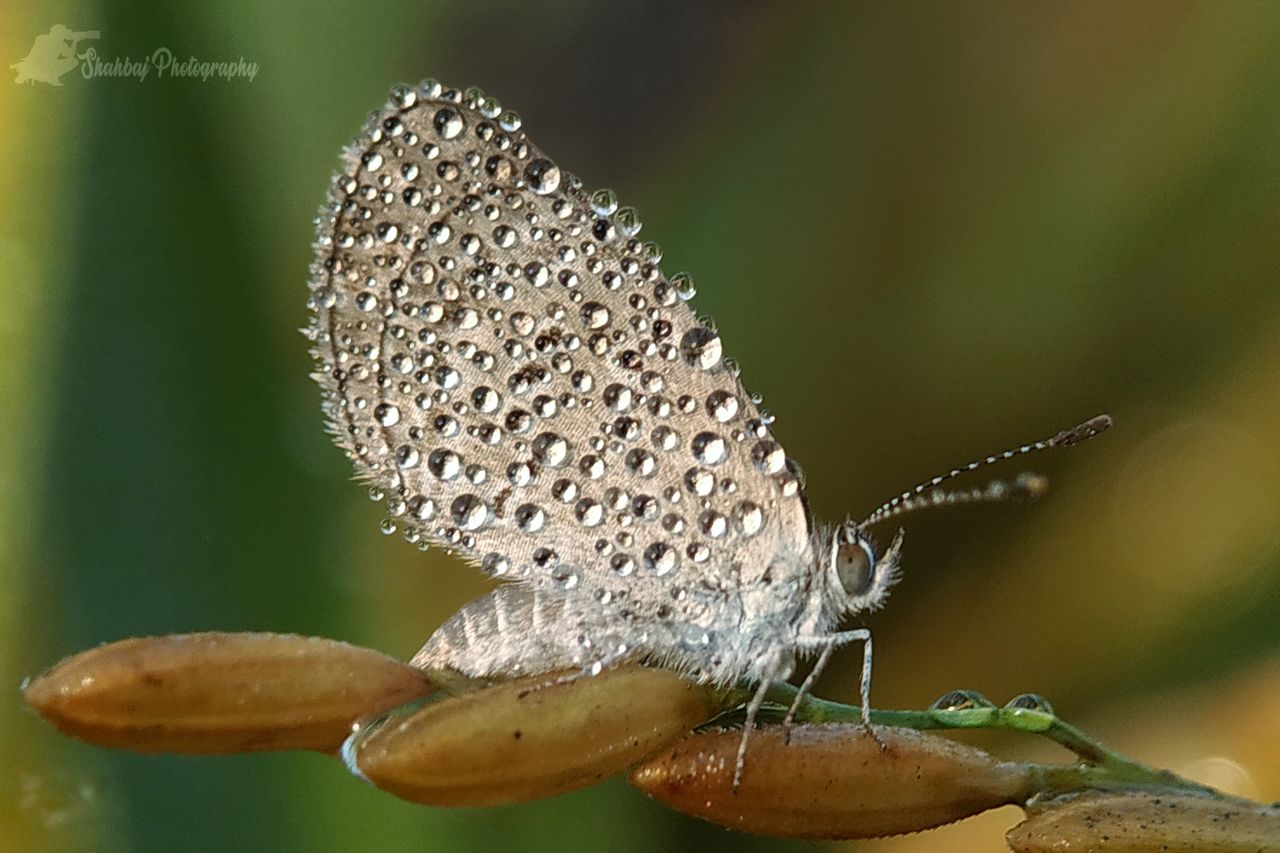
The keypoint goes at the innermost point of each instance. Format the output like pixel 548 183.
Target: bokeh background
pixel 926 231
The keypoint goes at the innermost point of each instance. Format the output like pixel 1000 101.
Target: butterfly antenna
pixel 1026 486
pixel 927 494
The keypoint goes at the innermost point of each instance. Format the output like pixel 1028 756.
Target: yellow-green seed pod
pixel 221 692
pixel 1147 822
pixel 527 739
pixel 831 781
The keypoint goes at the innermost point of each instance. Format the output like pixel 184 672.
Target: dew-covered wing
pixel 504 359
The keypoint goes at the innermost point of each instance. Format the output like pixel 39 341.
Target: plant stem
pixel 1098 766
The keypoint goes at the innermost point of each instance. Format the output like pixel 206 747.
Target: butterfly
pixel 506 361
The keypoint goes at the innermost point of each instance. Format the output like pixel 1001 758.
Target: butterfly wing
pixel 502 356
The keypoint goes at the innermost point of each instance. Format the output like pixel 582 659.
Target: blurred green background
pixel 926 231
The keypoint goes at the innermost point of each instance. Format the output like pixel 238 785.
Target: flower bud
pixel 221 692
pixel 831 781
pixel 529 738
pixel 1147 822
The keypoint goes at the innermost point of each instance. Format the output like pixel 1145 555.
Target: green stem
pixel 1098 765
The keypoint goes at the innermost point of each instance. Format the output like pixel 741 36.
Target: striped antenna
pixel 927 494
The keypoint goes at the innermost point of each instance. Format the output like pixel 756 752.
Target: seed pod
pixel 221 692
pixel 527 739
pixel 831 781
pixel 1146 822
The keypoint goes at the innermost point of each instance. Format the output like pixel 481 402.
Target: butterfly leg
pixel 753 708
pixel 819 665
pixel 777 669
pixel 828 644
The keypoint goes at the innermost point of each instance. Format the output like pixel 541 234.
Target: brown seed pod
pixel 221 692
pixel 1147 822
pixel 527 739
pixel 831 781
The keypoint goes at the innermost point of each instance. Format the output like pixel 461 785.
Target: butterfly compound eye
pixel 855 559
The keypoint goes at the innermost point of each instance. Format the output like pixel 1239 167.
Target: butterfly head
pixel 859 575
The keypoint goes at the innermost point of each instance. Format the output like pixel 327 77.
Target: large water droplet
pixel 495 565
pixel 444 464
pixel 660 558
pixel 469 512
pixel 641 463
pixel 407 456
pixel 448 123
pixel 768 456
pixel 595 315
pixel 617 397
pixel 748 517
pixel 622 564
pixel 701 348
pixel 700 481
pixel 386 414
pixel 543 176
pixel 530 518
pixel 564 490
pixel 550 449
pixel 713 524
pixel 709 448
pixel 722 406
pixel 486 400
pixel 588 512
